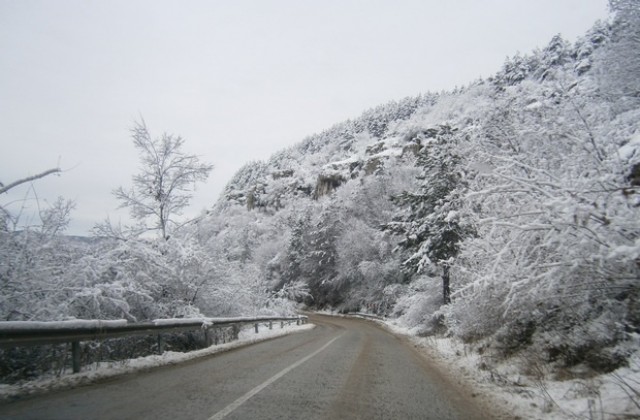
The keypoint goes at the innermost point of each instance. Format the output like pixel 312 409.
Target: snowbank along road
pixel 343 369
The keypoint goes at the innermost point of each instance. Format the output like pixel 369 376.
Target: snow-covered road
pixel 343 369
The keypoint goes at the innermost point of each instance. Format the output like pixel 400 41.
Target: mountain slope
pixel 534 238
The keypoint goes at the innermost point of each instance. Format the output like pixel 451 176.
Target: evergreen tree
pixel 432 229
pixel 623 55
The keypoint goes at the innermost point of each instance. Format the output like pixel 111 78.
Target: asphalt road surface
pixel 342 369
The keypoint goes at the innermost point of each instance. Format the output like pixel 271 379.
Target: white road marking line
pixel 237 403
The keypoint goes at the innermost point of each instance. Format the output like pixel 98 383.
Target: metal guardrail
pixel 363 315
pixel 33 333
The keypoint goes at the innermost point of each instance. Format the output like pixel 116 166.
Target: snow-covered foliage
pixel 505 213
pixel 554 265
pixel 519 194
pixel 56 278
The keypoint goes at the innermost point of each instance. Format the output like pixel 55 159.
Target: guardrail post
pixel 281 324
pixel 256 326
pixel 270 325
pixel 207 337
pixel 75 356
pixel 160 344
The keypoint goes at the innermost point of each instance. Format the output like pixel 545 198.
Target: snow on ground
pixel 611 396
pixel 104 370
pixel 503 386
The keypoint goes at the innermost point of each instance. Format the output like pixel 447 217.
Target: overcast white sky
pixel 239 80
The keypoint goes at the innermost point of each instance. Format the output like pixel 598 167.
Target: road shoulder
pixel 109 370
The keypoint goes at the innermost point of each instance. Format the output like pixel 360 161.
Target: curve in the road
pixel 343 369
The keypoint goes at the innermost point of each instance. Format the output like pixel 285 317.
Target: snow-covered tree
pixel 7 218
pixel 621 64
pixel 554 209
pixel 432 230
pixel 163 187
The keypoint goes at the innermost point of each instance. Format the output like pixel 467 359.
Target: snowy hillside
pixel 323 162
pixel 505 213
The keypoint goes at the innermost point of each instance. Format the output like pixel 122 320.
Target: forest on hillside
pixel 505 213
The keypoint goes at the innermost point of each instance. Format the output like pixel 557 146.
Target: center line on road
pixel 237 403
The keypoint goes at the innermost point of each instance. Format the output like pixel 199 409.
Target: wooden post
pixel 75 356
pixel 256 326
pixel 216 336
pixel 270 325
pixel 281 324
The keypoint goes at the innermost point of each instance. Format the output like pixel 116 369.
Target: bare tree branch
pixel 4 189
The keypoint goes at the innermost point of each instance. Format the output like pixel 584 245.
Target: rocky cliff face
pixel 322 163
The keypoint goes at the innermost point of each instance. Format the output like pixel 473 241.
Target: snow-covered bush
pixel 418 307
pixel 554 206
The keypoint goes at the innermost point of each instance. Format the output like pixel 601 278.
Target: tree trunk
pixel 446 291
